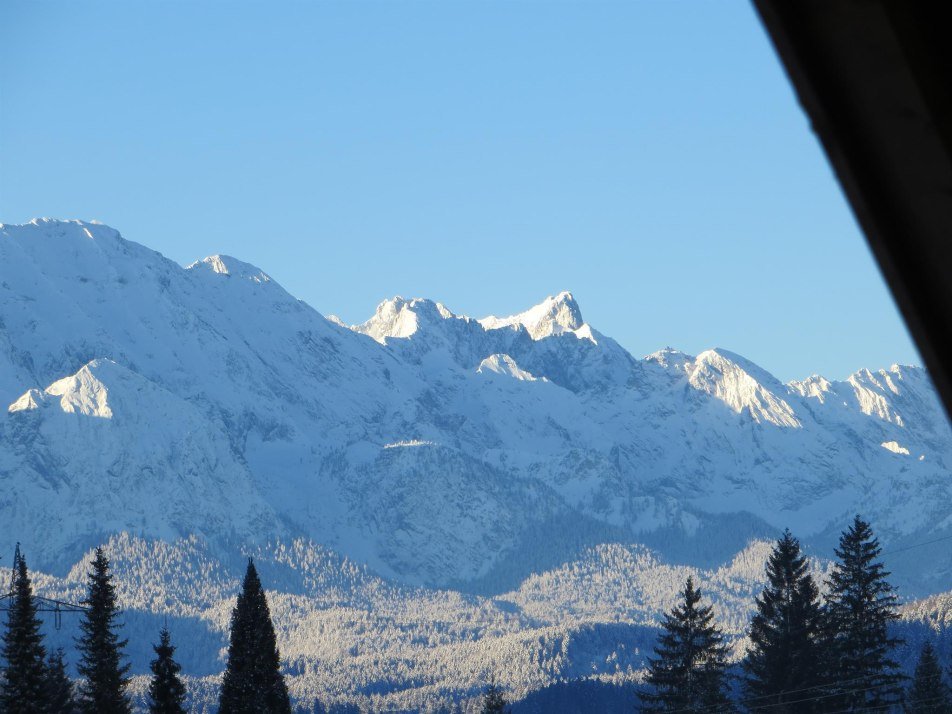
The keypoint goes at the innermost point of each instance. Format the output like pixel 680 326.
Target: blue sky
pixel 649 156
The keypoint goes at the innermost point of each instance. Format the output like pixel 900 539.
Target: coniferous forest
pixel 815 646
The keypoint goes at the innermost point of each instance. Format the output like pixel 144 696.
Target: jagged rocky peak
pixel 893 381
pixel 401 318
pixel 874 392
pixel 726 361
pixel 555 315
pixel 231 267
pixel 671 360
pixel 743 386
pixel 92 391
pixel 815 386
pixel 877 393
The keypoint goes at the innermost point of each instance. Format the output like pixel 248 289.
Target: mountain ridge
pixel 569 428
pixel 431 499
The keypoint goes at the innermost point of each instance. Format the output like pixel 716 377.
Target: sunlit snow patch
pixel 232 267
pixel 504 365
pixel 406 444
pixel 894 447
pixel 84 392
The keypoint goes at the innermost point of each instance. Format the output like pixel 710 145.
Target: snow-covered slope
pixel 436 448
pixel 106 451
pixel 431 498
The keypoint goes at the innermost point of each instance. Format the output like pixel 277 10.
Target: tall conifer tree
pixel 493 700
pixel 166 689
pixel 24 672
pixel 860 607
pixel 101 658
pixel 783 663
pixel 253 683
pixel 689 672
pixel 58 685
pixel 928 693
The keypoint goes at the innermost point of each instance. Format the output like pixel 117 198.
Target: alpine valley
pixel 430 499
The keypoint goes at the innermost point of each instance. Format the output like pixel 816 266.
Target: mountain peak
pixel 743 386
pixel 91 229
pixel 555 315
pixel 232 267
pixel 672 360
pixel 56 233
pixel 399 317
pixel 84 392
pixel 722 358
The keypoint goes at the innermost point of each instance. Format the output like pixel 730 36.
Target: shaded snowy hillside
pixel 437 449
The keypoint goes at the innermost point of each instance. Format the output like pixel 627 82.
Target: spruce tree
pixel 689 672
pixel 493 701
pixel 860 606
pixel 928 693
pixel 24 672
pixel 103 691
pixel 783 664
pixel 166 691
pixel 58 685
pixel 252 683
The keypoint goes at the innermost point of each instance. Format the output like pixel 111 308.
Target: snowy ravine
pixel 427 493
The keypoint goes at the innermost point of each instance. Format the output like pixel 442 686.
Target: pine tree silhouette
pixel 783 663
pixel 166 689
pixel 24 676
pixel 689 672
pixel 493 700
pixel 860 605
pixel 58 685
pixel 103 691
pixel 928 693
pixel 253 683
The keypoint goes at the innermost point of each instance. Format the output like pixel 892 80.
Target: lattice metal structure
pixel 43 604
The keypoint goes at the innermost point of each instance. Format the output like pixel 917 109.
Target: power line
pixel 916 545
pixel 827 695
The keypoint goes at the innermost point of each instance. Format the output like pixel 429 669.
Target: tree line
pixel 807 654
pixel 34 682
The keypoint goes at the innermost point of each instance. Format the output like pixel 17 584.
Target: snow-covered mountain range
pixel 437 450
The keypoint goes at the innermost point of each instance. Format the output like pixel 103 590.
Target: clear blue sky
pixel 649 156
